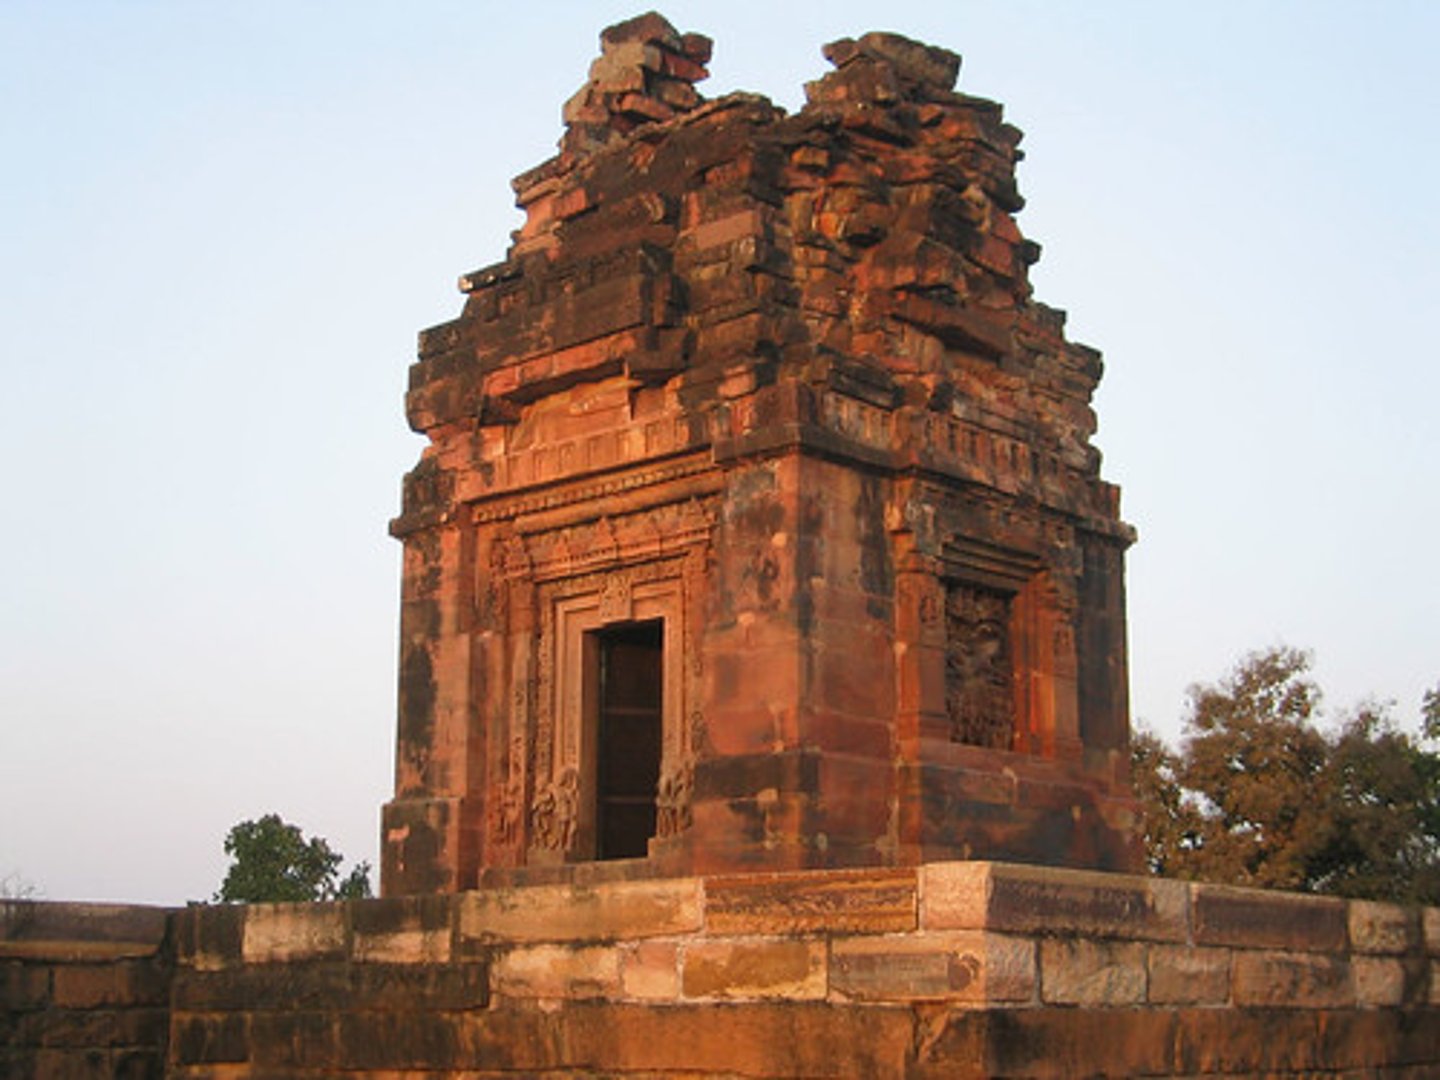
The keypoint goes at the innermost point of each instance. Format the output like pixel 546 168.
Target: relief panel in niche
pixel 979 666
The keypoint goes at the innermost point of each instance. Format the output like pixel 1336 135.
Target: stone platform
pixel 949 969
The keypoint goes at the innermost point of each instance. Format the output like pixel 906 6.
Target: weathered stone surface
pixel 970 966
pixel 23 987
pixel 835 901
pixel 210 938
pixel 97 985
pixel 754 1039
pixel 1025 899
pixel 1430 923
pixel 80 931
pixel 1291 979
pixel 276 933
pixel 776 384
pixel 1382 928
pixel 413 929
pixel 575 913
pixel 558 971
pixel 1091 973
pixel 1255 918
pixel 1248 1041
pixel 1380 981
pixel 1187 975
pixel 775 968
pixel 650 971
pixel 1047 1043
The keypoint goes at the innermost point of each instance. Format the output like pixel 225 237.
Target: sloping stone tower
pixel 759 525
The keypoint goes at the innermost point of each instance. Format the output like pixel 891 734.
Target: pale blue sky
pixel 222 225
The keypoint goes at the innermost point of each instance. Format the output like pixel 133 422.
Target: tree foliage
pixel 272 860
pixel 15 887
pixel 1259 795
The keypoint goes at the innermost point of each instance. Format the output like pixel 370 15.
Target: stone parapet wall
pixel 84 990
pixel 949 969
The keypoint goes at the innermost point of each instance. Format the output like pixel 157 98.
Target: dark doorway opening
pixel 628 737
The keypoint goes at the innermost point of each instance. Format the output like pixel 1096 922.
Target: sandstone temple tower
pixel 759 524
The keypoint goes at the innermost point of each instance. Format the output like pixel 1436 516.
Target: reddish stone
pixel 769 393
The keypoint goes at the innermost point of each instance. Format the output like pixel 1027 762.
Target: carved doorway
pixel 629 687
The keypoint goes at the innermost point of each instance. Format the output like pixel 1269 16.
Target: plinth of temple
pixel 759 525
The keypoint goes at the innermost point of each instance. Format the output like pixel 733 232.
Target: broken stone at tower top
pixel 759 524
pixel 646 72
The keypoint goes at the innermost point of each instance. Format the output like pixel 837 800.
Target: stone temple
pixel 759 525
pixel 762 613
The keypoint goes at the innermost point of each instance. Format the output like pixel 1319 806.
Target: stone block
pixel 837 901
pixel 558 971
pixel 621 909
pixel 1291 979
pixel 1091 973
pixel 331 985
pixel 412 929
pixel 1258 919
pixel 284 933
pixel 293 1039
pixel 1031 899
pixel 1247 1042
pixel 1045 1044
pixel 791 969
pixel 70 930
pixel 521 1037
pixel 972 966
pixel 753 1039
pixel 143 1063
pixel 1187 975
pixel 23 986
pixel 650 971
pixel 1378 1042
pixel 1430 923
pixel 209 1038
pixel 210 937
pixel 122 982
pixel 375 986
pixel 1382 928
pixel 94 1027
pixel 68 1064
pixel 413 1039
pixel 312 985
pixel 1379 981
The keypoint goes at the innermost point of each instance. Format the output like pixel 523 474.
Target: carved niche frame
pixel 1041 641
pixel 619 583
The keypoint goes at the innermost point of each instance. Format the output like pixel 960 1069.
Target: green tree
pixel 1171 821
pixel 1255 761
pixel 1384 837
pixel 272 860
pixel 1259 795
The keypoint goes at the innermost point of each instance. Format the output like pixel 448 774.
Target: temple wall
pixel 951 969
pixel 84 990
